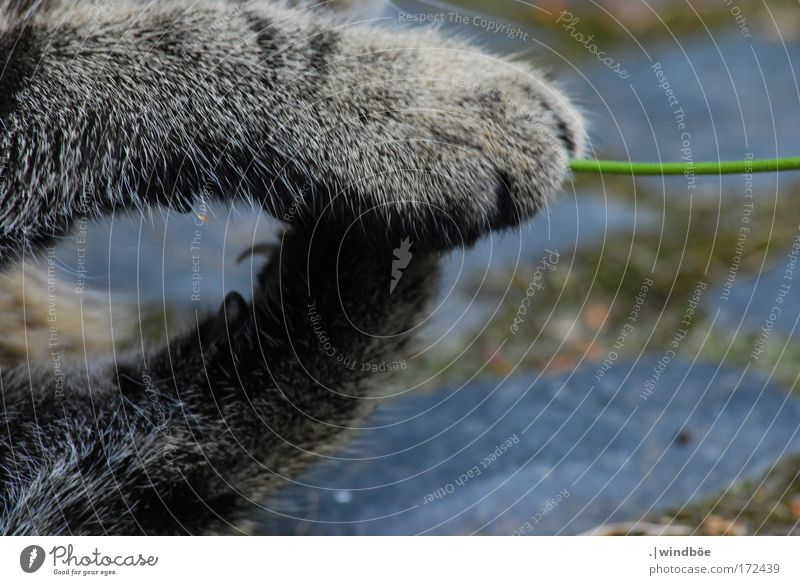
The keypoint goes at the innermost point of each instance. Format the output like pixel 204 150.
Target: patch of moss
pixel 767 505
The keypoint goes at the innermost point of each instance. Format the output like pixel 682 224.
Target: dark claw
pixel 234 309
pixel 264 249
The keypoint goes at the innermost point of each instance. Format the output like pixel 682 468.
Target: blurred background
pixel 628 363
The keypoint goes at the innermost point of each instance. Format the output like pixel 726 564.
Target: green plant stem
pixel 724 167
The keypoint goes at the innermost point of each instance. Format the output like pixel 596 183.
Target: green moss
pixel 767 505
